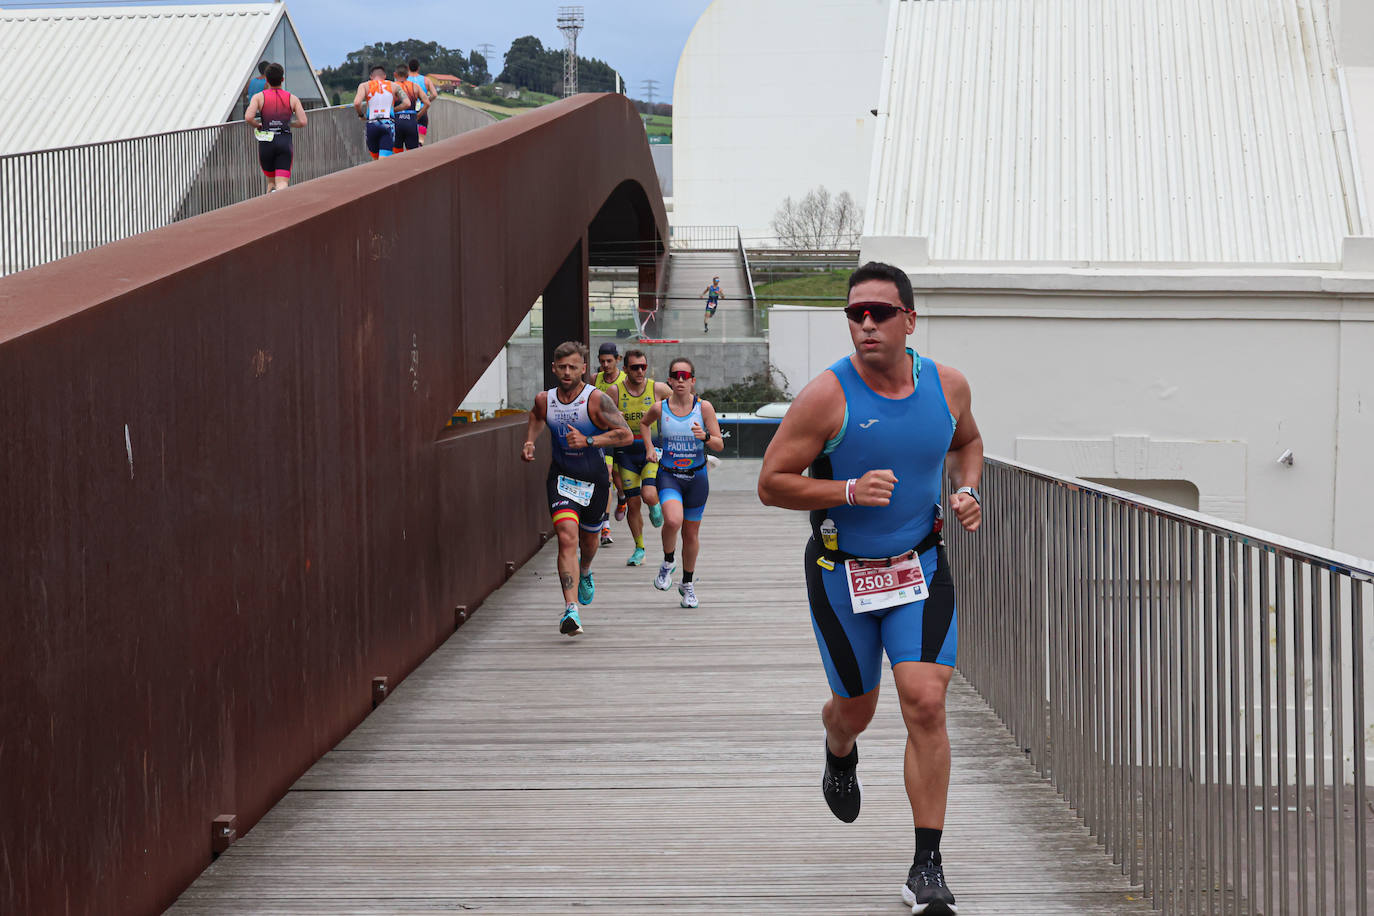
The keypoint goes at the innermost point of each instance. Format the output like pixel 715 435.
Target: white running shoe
pixel 665 576
pixel 688 591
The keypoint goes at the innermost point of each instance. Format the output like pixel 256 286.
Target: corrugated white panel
pixel 1113 130
pixel 117 72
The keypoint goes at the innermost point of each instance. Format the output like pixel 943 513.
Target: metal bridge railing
pixel 1195 689
pixel 58 202
pixel 704 238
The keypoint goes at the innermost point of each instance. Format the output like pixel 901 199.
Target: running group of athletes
pixel 396 111
pixel 650 438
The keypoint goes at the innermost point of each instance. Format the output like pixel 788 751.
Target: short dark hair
pixel 636 352
pixel 876 270
pixel 568 348
pixel 275 73
pixel 682 359
pixel 262 67
pixel 413 63
pixel 375 67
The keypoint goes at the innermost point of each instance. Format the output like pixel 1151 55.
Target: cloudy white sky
pixel 641 38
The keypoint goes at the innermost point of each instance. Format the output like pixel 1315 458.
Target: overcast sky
pixel 641 38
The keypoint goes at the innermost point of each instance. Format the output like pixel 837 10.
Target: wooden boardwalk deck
pixel 665 762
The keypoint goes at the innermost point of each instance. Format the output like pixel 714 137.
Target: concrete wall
pixel 716 363
pixel 1130 386
pixel 772 98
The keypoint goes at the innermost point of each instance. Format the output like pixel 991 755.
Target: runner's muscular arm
pixel 536 419
pixel 299 111
pixel 251 115
pixel 813 419
pixel 605 412
pixel 964 463
pixel 712 437
pixel 359 98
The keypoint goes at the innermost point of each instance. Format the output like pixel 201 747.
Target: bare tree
pixel 819 220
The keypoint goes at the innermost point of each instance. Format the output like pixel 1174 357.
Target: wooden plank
pixel 667 761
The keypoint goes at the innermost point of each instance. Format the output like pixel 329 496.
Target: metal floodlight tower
pixel 570 22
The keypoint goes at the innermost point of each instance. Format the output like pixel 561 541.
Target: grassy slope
pixel 658 124
pixel 828 288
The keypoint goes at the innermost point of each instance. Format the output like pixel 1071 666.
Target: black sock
pixel 686 576
pixel 928 844
pixel 848 762
pixel 669 557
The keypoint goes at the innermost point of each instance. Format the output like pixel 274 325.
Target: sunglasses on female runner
pixel 681 375
pixel 881 311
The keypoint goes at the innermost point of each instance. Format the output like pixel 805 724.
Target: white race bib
pixel 874 585
pixel 579 491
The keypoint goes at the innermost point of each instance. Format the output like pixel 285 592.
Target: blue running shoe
pixel 656 516
pixel 586 589
pixel 636 558
pixel 570 625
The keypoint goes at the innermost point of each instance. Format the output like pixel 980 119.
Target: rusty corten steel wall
pixel 226 503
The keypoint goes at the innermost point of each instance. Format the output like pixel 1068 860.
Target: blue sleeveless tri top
pixel 682 451
pixel 587 463
pixel 911 436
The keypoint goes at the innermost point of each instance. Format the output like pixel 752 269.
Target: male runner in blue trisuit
pixel 876 431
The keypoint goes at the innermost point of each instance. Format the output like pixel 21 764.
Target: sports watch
pixel 971 492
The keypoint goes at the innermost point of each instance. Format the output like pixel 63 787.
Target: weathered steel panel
pixel 225 502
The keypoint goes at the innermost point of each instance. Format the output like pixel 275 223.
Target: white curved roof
pixel 108 73
pixel 1113 130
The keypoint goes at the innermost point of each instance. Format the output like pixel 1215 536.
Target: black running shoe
pixel 925 889
pixel 843 791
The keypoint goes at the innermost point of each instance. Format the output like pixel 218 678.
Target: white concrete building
pixel 1142 231
pixel 773 98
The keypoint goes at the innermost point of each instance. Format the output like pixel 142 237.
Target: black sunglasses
pixel 881 311
pixel 635 366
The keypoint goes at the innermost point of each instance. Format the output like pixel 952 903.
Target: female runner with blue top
pixel 686 428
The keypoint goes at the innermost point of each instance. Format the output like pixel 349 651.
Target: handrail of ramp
pixel 1195 689
pixel 58 202
pixel 227 506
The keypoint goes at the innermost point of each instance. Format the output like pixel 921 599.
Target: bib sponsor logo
pixel 867 425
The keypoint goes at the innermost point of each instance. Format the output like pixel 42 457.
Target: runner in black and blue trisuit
pixel 272 113
pixel 407 119
pixel 712 296
pixel 686 428
pixel 877 430
pixel 583 423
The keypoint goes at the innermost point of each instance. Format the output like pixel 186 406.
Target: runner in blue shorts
pixel 712 297
pixel 583 422
pixel 377 101
pixel 686 428
pixel 876 431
